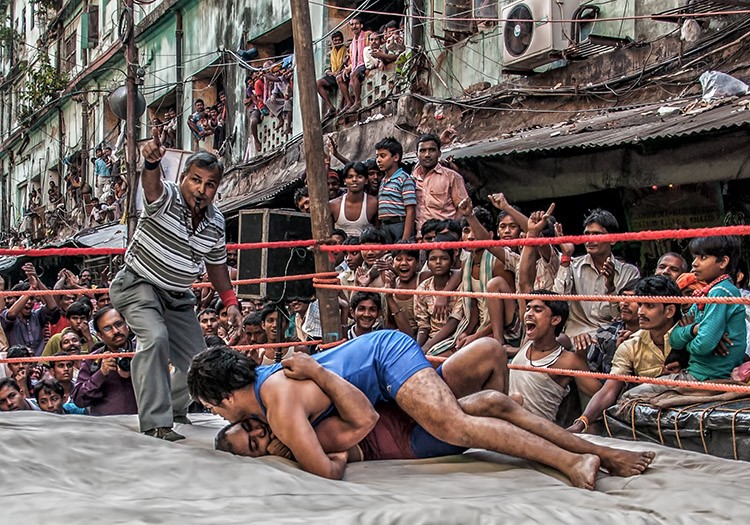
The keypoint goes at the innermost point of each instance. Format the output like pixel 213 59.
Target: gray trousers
pixel 167 331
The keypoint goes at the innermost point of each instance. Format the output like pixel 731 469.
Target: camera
pixel 123 363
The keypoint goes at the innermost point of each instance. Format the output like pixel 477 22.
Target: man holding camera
pixel 104 386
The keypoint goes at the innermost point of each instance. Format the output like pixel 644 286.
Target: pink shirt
pixel 438 193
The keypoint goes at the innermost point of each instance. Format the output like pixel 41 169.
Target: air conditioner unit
pixel 531 37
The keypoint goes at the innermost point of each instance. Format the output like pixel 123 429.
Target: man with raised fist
pixel 179 230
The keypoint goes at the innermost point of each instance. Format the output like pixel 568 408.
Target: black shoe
pixel 182 420
pixel 165 433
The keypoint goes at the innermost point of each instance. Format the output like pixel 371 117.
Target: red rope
pixel 75 357
pixel 543 297
pixel 94 291
pixel 48 252
pixel 648 235
pixel 241 348
pixel 435 361
pixel 698 385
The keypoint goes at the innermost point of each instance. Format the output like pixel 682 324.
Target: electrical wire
pixel 445 18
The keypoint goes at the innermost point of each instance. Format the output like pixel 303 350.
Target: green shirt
pixel 715 320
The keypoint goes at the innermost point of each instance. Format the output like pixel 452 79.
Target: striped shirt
pixel 165 251
pixel 396 193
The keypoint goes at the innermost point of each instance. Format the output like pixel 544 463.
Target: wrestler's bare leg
pixel 495 404
pixel 480 365
pixel 429 401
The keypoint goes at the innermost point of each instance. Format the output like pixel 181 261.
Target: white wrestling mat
pixel 76 469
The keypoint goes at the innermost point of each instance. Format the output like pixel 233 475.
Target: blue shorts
pixel 425 445
pixel 395 364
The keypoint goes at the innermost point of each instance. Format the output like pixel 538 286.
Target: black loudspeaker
pixel 267 225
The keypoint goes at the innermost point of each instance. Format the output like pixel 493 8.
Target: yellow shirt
pixel 337 59
pixel 639 356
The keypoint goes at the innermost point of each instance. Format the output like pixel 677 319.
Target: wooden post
pixel 131 138
pixel 317 184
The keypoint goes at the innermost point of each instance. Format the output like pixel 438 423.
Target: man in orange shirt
pixel 439 189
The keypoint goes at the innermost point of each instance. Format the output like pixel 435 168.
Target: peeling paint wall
pixel 478 57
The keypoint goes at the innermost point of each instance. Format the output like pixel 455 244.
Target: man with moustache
pixel 439 189
pixel 78 316
pixel 178 231
pixel 596 273
pixel 647 353
pixel 672 265
pixel 104 386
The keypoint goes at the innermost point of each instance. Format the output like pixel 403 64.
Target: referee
pixel 179 229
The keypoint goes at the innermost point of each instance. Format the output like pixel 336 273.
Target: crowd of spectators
pixel 348 65
pixel 268 93
pixel 380 201
pixel 377 201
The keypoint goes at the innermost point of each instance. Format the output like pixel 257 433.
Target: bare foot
pixel 583 472
pixel 518 398
pixel 626 463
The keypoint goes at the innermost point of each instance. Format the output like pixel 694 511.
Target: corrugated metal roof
pixel 7 262
pixel 109 236
pixel 270 188
pixel 615 129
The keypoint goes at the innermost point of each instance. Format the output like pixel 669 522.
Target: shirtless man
pixel 542 393
pixel 386 366
pixel 480 366
pixel 355 210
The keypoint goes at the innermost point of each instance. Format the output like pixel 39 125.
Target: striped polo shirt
pixel 396 193
pixel 165 251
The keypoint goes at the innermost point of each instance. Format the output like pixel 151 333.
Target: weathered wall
pixel 478 58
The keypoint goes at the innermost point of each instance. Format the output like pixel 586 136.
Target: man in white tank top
pixel 355 210
pixel 542 393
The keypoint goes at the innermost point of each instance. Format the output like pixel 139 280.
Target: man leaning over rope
pixel 179 229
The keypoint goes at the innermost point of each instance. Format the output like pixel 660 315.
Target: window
pixel 23 21
pixel 32 17
pixel 454 20
pixel 90 28
pixel 69 53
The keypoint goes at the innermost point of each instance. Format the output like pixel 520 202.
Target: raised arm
pixel 152 153
pixel 499 201
pixel 37 284
pixel 479 231
pixel 529 254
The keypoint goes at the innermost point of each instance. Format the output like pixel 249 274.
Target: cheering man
pixel 178 230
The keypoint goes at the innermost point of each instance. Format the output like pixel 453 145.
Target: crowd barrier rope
pixel 542 297
pixel 436 361
pixel 96 291
pixel 327 280
pixel 646 235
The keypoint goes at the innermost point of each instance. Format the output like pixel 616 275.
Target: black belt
pixel 393 220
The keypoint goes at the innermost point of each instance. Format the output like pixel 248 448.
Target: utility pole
pixel 312 130
pixel 85 140
pixel 131 151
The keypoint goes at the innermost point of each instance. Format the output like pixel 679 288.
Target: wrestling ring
pixel 78 469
